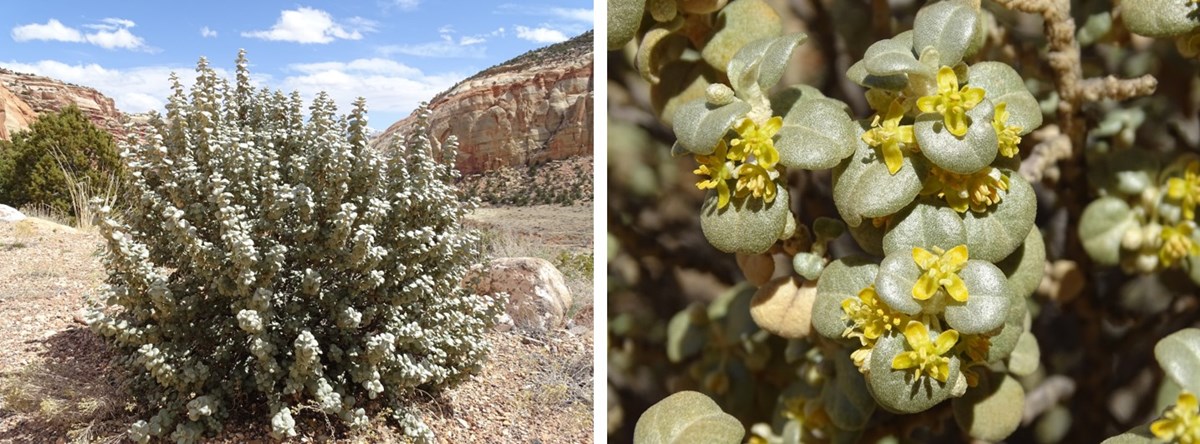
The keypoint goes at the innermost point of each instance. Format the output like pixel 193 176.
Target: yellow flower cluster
pixel 926 355
pixel 976 191
pixel 939 270
pixel 891 137
pixel 750 159
pixel 1177 244
pixel 1180 424
pixel 1186 189
pixel 1008 136
pixel 951 101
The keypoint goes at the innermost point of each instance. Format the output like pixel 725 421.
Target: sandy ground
pixel 56 384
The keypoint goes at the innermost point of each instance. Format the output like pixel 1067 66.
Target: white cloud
pixel 308 25
pixel 110 33
pixel 406 5
pixel 575 14
pixel 391 88
pixel 53 30
pixel 446 46
pixel 540 35
pixel 206 33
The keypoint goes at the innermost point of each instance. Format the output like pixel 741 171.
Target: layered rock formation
pixel 527 111
pixel 24 96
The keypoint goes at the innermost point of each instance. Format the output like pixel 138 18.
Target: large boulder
pixel 10 214
pixel 538 298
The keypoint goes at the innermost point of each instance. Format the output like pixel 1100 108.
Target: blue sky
pixel 396 53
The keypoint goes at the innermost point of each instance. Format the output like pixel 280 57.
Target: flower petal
pixel 772 126
pixel 928 104
pixel 957 256
pixel 917 335
pixel 945 341
pixel 957 289
pixel 904 361
pixel 971 96
pixel 924 258
pixel 892 156
pixel 956 122
pixel 946 79
pixel 722 194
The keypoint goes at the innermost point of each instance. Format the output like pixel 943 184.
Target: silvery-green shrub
pixel 269 261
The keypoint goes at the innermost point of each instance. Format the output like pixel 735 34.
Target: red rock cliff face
pixel 530 110
pixel 36 94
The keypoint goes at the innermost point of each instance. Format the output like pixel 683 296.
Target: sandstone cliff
pixel 527 111
pixel 24 96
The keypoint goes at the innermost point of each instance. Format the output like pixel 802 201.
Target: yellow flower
pixel 1180 424
pixel 974 349
pixel 1177 244
pixel 871 317
pixel 889 135
pixel 976 191
pixel 1009 136
pixel 951 101
pixel 1186 189
pixel 940 270
pixel 756 141
pixel 714 167
pixel 754 180
pixel 926 356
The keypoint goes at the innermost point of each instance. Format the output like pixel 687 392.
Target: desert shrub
pixel 29 172
pixel 271 263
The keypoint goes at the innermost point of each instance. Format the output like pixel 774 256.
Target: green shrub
pixel 271 263
pixel 29 172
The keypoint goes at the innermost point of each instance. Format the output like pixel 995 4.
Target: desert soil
pixel 57 385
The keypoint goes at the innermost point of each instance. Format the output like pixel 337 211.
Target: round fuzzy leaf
pixel 968 154
pixel 847 401
pixel 994 235
pixel 1102 226
pixel 680 83
pixel 747 225
pixel 684 337
pixel 894 56
pixel 898 274
pixel 732 310
pixel 699 125
pixel 947 26
pixel 658 47
pixel 1004 343
pixel 762 61
pixel 1026 358
pixel 1179 356
pixel 987 301
pixel 896 390
pixel 687 417
pixel 869 237
pixel 783 101
pixel 858 73
pixel 1002 84
pixel 841 280
pixel 1025 267
pixel 991 413
pixel 624 18
pixel 817 134
pixel 1137 435
pixel 863 187
pixel 926 226
pixel 1159 18
pixel 784 307
pixel 808 265
pixel 738 24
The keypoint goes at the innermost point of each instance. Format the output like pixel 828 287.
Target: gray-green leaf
pixel 926 226
pixel 1026 266
pixel 762 61
pixel 863 187
pixel 968 154
pixel 1026 357
pixel 988 298
pixel 684 337
pixel 1002 84
pixel 1102 226
pixel 1159 18
pixel 687 417
pixel 991 412
pixel 894 56
pixel 738 24
pixel 1179 356
pixel 817 134
pixel 700 125
pixel 847 400
pixel 995 234
pixel 947 26
pixel 896 390
pixel 747 225
pixel 858 73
